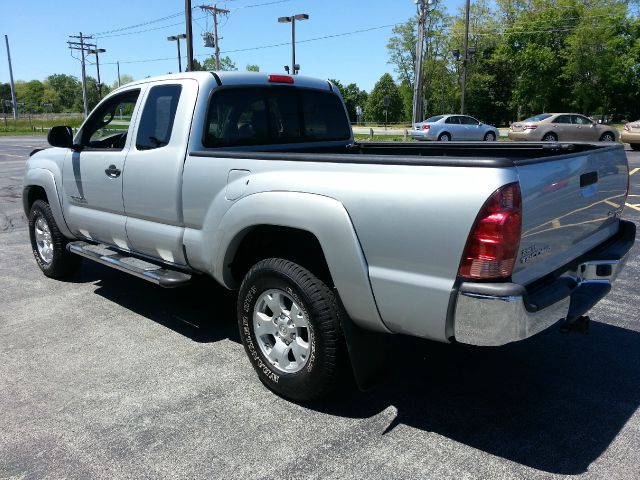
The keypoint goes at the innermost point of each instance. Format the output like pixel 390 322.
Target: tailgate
pixel 570 204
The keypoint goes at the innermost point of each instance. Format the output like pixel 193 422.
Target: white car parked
pixel 445 128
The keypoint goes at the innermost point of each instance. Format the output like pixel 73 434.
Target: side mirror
pixel 60 137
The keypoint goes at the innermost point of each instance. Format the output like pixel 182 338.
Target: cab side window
pixel 563 119
pixel 156 121
pixel 469 121
pixel 580 120
pixel 453 120
pixel 108 126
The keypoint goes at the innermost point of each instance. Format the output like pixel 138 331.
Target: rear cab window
pixel 273 115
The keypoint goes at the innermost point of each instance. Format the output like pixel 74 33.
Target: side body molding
pixel 322 216
pixel 41 177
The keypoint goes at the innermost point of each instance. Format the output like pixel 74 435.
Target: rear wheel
pixel 290 327
pixel 550 137
pixel 635 146
pixel 607 137
pixel 444 137
pixel 489 137
pixel 48 244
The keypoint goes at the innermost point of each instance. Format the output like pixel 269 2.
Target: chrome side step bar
pixel 137 267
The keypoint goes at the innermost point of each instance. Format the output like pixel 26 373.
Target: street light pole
pixel 301 16
pixel 465 59
pixel 176 38
pixel 97 52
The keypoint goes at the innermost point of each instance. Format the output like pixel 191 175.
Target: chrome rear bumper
pixel 490 314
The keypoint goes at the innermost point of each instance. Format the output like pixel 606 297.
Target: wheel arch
pixel 615 137
pixel 324 226
pixel 40 184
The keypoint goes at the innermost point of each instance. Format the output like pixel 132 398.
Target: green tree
pixel 253 68
pixel 353 97
pixel 226 64
pixel 375 108
pixel 64 92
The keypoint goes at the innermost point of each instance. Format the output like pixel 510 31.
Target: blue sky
pixel 38 31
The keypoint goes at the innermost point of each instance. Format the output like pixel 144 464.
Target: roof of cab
pixel 237 78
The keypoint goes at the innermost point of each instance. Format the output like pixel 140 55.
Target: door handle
pixel 587 179
pixel 112 171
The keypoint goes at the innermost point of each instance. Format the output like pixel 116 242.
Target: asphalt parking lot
pixel 107 376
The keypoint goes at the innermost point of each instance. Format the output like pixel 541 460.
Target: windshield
pixel 433 119
pixel 537 118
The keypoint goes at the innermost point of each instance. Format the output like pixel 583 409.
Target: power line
pixel 148 29
pixel 174 15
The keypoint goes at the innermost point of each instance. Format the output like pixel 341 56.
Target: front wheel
pixel 607 137
pixel 290 326
pixel 48 244
pixel 489 137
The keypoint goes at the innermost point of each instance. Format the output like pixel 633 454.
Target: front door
pixel 586 129
pixel 92 175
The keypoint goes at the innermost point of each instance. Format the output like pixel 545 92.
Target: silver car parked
pixel 446 128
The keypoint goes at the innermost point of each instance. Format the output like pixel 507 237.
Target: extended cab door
pixel 92 176
pixel 152 188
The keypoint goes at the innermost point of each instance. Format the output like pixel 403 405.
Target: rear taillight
pixel 426 127
pixel 530 127
pixel 492 246
pixel 626 127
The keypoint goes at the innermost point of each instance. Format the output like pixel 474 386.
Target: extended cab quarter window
pixel 156 122
pixel 108 126
pixel 274 115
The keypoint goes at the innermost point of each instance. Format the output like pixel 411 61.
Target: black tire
pixel 550 137
pixel 635 146
pixel 444 137
pixel 321 372
pixel 62 263
pixel 489 137
pixel 608 137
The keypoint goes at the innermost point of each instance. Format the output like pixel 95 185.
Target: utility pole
pixel 189 30
pixel 84 48
pixel 14 101
pixel 215 11
pixel 292 19
pixel 465 59
pixel 118 63
pixel 97 52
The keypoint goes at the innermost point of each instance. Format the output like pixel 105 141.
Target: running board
pixel 132 265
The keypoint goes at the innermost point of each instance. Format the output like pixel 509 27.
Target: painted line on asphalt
pixel 11 155
pixel 635 207
pixel 635 170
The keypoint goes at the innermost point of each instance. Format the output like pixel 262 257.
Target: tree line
pixel 62 93
pixel 526 57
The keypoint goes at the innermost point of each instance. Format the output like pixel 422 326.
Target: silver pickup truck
pixel 255 180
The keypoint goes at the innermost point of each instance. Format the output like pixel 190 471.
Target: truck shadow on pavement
pixel 553 402
pixel 203 312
